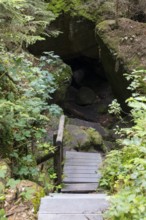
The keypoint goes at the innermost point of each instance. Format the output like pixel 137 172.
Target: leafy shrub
pixel 24 111
pixel 124 170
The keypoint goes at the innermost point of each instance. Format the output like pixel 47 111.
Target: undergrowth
pixel 124 170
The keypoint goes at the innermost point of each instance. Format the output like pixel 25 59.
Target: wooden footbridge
pixel 79 176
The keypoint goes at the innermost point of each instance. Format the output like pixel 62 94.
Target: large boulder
pixel 88 124
pixel 63 78
pixel 85 96
pixel 82 138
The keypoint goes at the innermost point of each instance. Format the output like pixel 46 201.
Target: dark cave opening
pixel 86 72
pixel 90 93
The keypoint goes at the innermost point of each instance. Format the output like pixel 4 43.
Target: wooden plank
pixel 70 217
pixel 82 154
pixel 82 160
pixel 82 175
pixel 82 163
pixel 60 130
pixel 80 180
pixel 95 167
pixel 79 187
pixel 71 195
pixel 73 205
pixel 85 155
pixel 83 171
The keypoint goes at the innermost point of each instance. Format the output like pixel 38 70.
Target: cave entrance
pixel 90 93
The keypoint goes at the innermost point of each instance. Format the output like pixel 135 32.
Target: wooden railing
pixel 57 155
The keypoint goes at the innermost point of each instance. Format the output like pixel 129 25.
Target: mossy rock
pixel 82 138
pixel 95 138
pixel 75 137
pixel 105 11
pixel 36 192
pixel 109 145
pixel 5 172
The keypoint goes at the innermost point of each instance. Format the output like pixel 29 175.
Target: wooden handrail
pixel 58 153
pixel 58 157
pixel 59 139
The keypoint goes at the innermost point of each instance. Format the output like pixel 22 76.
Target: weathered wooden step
pixel 72 154
pixel 80 180
pixel 70 217
pixel 81 169
pixel 79 187
pixel 72 207
pixel 74 195
pixel 82 175
pixel 81 163
pixel 74 170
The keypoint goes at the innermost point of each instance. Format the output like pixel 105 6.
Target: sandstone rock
pixel 77 38
pixel 82 138
pixel 97 126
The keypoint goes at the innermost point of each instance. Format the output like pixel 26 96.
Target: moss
pixel 5 171
pixel 132 63
pixel 2 187
pixel 67 138
pixel 37 198
pixel 102 30
pixel 105 11
pixel 83 138
pixel 75 137
pixel 95 138
pixel 63 77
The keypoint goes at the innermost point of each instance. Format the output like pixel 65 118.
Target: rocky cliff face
pixel 77 38
pixel 120 49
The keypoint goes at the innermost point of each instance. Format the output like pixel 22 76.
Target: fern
pixel 22 22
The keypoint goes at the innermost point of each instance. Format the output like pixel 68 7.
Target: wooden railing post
pixel 58 157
